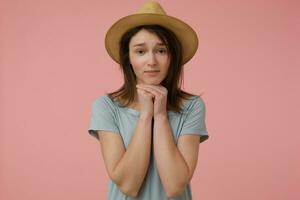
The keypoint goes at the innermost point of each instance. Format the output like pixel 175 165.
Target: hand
pixel 160 94
pixel 145 100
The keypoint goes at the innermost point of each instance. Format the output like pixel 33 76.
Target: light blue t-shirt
pixel 110 116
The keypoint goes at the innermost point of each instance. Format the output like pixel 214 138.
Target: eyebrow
pixel 143 44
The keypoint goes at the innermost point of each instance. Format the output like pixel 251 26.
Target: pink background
pixel 54 64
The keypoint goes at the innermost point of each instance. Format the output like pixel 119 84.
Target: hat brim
pixel 185 34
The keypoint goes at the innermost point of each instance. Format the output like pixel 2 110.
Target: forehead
pixel 144 37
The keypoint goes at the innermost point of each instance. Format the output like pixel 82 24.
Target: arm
pixel 128 168
pixel 174 177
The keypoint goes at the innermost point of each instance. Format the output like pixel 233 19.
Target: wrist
pixel 161 117
pixel 144 116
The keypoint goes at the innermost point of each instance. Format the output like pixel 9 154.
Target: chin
pixel 152 82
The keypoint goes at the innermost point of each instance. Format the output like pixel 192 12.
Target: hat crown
pixel 151 13
pixel 152 7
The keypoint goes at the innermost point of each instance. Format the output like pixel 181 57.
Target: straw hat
pixel 152 13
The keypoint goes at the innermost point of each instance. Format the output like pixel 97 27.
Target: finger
pixel 145 92
pixel 151 90
pixel 146 86
pixel 160 89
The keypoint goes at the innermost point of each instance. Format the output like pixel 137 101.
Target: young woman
pixel 149 130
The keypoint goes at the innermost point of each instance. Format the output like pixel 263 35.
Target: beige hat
pixel 152 13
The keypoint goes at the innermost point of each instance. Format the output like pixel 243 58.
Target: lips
pixel 152 71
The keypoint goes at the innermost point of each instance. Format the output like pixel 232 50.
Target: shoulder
pixel 193 102
pixel 199 101
pixel 103 101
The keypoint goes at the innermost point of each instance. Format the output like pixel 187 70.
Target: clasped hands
pixel 153 97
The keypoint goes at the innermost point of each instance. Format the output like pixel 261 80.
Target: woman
pixel 149 130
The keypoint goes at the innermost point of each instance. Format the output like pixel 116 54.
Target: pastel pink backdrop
pixel 54 64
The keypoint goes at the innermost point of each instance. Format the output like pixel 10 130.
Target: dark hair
pixel 172 81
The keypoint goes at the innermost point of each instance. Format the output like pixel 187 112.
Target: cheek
pixel 164 60
pixel 136 66
pixel 135 70
pixel 166 64
pixel 136 63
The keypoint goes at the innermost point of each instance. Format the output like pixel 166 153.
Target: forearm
pixel 132 168
pixel 172 168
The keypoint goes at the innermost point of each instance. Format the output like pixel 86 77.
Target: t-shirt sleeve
pixel 194 122
pixel 102 117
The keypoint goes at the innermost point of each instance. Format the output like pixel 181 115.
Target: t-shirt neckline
pixel 136 112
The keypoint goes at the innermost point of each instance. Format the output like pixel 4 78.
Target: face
pixel 149 57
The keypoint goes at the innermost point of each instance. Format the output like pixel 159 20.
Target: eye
pixel 162 51
pixel 140 51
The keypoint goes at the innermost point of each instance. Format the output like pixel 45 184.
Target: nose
pixel 152 59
